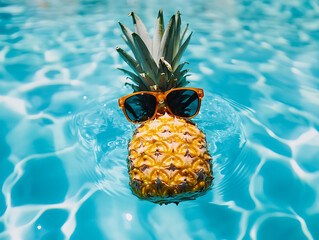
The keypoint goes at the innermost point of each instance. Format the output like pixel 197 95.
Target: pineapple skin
pixel 169 161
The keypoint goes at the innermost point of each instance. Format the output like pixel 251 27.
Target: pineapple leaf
pixel 176 41
pixel 168 66
pixel 141 30
pixel 127 36
pixel 164 67
pixel 183 34
pixel 156 62
pixel 133 86
pixel 158 34
pixel 163 82
pixel 180 52
pixel 172 83
pixel 136 79
pixel 181 74
pixel 180 67
pixel 148 62
pixel 170 47
pixel 149 81
pixel 166 40
pixel 129 60
pixel 154 88
pixel 182 82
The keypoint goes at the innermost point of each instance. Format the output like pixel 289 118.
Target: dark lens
pixel 183 103
pixel 140 107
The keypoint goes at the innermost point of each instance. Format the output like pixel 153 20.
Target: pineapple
pixel 168 160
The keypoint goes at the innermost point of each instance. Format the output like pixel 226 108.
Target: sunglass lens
pixel 183 103
pixel 140 107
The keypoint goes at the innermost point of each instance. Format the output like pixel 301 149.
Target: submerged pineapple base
pixel 169 161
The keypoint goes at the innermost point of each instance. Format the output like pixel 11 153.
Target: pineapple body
pixel 169 161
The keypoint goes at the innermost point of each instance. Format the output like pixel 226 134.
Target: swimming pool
pixel 63 140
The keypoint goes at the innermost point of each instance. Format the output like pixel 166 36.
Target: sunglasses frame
pixel 161 96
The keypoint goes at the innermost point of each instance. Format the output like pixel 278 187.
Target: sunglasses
pixel 142 106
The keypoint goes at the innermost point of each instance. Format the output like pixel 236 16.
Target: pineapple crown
pixel 156 61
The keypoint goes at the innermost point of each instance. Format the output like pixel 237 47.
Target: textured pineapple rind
pixel 173 195
pixel 169 161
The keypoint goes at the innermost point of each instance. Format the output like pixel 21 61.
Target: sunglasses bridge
pixel 161 104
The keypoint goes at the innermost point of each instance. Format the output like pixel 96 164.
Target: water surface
pixel 63 140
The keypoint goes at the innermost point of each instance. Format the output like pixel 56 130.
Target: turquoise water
pixel 63 140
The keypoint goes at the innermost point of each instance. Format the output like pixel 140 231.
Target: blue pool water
pixel 63 140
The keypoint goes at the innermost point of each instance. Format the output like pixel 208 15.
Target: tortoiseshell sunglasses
pixel 142 106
